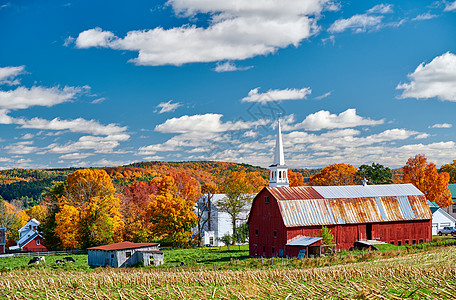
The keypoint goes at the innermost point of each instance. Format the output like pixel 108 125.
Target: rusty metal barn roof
pixel 291 193
pixel 354 204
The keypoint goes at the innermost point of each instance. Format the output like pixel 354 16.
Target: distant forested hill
pixel 29 184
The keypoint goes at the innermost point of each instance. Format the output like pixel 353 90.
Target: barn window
pixel 37 242
pixel 128 253
pixel 392 242
pixel 264 249
pixel 421 241
pixel 275 234
pixel 399 243
pixel 273 250
pixel 256 232
pixel 112 255
pixel 414 242
pixel 266 199
pixel 406 242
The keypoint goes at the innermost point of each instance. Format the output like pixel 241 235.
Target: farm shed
pixel 394 213
pixel 125 254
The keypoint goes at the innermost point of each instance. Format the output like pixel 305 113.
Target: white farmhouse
pixel 215 223
pixel 125 254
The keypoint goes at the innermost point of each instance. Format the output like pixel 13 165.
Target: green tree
pixel 51 202
pixel 450 169
pixel 375 174
pixel 237 187
pixel 328 237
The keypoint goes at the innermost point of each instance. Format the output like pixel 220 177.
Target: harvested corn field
pixel 422 275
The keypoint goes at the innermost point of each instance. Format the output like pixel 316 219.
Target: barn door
pixel 369 231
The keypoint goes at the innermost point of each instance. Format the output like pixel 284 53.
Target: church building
pixel 287 221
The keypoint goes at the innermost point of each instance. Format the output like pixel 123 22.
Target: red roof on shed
pixel 123 245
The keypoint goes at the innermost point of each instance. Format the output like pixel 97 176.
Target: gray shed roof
pixel 304 241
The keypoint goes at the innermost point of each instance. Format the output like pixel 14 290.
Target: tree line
pixel 89 208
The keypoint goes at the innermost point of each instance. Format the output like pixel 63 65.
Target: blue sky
pixel 83 83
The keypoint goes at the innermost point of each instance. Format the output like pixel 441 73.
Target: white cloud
pixel 325 120
pixel 238 30
pixel 96 143
pixel 381 9
pixel 357 23
pixel 276 95
pixel 425 16
pixel 8 74
pixel 442 125
pixel 450 6
pixel 27 136
pixel 77 125
pixel 229 66
pixel 206 123
pixel 325 95
pixel 22 98
pixel 75 155
pixel 93 38
pixel 435 79
pixel 168 106
pixel 21 148
pixel 99 100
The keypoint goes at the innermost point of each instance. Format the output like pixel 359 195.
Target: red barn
pixel 283 219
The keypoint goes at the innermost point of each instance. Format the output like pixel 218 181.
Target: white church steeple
pixel 278 175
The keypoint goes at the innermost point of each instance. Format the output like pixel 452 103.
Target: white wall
pixel 440 219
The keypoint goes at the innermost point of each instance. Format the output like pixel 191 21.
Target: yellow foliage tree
pixel 91 193
pixel 171 217
pixel 38 212
pixel 336 174
pixel 68 226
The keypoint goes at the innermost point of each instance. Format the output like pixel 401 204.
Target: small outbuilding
pixel 125 254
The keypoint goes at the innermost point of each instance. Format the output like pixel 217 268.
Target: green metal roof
pixel 452 187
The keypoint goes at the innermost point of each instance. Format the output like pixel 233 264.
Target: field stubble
pixel 422 275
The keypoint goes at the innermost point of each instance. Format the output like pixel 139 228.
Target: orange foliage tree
pixel 12 219
pixel 425 177
pixel 295 178
pixel 171 217
pixel 336 174
pixel 91 195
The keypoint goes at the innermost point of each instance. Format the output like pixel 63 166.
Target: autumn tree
pixel 90 201
pixel 425 177
pixel 37 212
pixel 336 174
pixel 135 201
pixel 171 217
pixel 11 218
pixel 451 170
pixel 238 187
pixel 295 178
pixel 375 174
